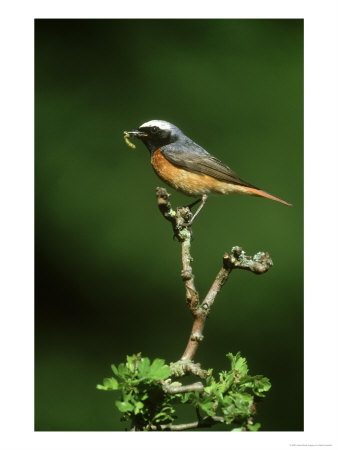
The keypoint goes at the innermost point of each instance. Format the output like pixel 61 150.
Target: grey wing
pixel 196 159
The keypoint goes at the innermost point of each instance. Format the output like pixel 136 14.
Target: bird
pixel 187 167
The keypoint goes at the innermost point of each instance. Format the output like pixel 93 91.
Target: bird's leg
pixel 193 203
pixel 204 200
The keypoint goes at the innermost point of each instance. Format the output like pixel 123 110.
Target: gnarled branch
pixel 236 259
pixel 180 389
pixel 205 422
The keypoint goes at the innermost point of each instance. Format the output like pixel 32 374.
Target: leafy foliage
pixel 143 400
pixel 231 399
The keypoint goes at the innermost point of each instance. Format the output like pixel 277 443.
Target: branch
pixel 186 367
pixel 179 389
pixel 205 422
pixel 179 220
pixel 237 259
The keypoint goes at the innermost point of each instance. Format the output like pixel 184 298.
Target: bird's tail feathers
pixel 259 193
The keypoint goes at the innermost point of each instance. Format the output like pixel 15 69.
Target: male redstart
pixel 187 167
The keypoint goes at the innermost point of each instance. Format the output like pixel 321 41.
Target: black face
pixel 154 137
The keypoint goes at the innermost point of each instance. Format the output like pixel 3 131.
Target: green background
pixel 107 269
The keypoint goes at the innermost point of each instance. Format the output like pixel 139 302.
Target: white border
pixel 321 122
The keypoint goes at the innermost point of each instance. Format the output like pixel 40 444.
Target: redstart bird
pixel 187 167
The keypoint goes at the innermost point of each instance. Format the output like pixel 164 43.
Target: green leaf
pixel 156 364
pixel 143 367
pixel 237 406
pixel 161 373
pixel 131 361
pixel 207 408
pixel 124 406
pixel 122 370
pixel 165 415
pixel 186 397
pixel 243 401
pixel 209 389
pixel 111 383
pixel 261 385
pixel 238 363
pixel 114 369
pixel 138 407
pixel 257 383
pixel 108 384
pixel 161 416
pixel 159 370
pixel 254 427
pixel 226 380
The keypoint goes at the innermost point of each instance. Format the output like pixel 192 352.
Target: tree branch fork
pixel 258 264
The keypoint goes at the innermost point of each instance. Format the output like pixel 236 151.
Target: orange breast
pixel 189 183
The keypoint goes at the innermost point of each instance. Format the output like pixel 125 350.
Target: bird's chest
pixel 165 169
pixel 184 181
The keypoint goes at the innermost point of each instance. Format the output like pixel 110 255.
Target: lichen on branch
pixel 236 259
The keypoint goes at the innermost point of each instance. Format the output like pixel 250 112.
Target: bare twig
pixel 205 422
pixel 237 259
pixel 179 220
pixel 186 367
pixel 177 389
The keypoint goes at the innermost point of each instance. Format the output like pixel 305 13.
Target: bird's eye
pixel 154 129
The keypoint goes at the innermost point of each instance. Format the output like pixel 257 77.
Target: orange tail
pixel 260 193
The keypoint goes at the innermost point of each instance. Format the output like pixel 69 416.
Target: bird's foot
pixel 204 200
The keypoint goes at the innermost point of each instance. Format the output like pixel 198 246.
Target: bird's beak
pixel 137 134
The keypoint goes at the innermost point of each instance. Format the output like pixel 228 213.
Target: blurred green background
pixel 107 269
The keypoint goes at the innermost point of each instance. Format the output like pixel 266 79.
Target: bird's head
pixel 156 133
